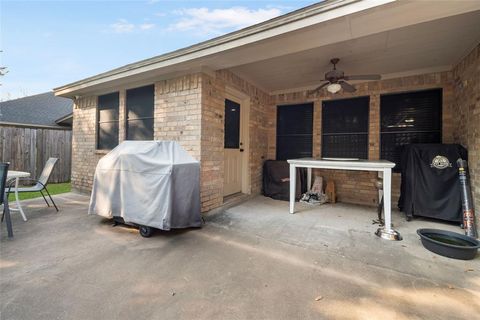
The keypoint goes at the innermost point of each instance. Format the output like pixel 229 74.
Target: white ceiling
pixel 429 46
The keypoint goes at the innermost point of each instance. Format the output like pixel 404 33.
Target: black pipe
pixel 468 213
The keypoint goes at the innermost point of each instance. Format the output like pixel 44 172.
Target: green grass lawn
pixel 53 188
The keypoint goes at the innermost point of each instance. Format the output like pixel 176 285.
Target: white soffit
pixel 421 48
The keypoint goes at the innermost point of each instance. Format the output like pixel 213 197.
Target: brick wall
pixel 213 96
pixel 466 123
pixel 214 91
pixel 190 110
pixel 178 112
pixel 260 110
pixel 177 117
pixel 356 186
pixel 84 157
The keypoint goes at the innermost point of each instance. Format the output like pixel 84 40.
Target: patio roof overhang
pixel 388 37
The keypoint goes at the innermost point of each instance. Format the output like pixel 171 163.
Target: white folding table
pixel 17 175
pixel 383 167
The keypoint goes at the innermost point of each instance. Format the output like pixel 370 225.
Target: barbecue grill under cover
pixel 150 183
pixel 430 184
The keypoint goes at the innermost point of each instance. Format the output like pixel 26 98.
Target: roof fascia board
pixel 66 117
pixel 32 125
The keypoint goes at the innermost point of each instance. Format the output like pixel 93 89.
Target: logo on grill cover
pixel 440 162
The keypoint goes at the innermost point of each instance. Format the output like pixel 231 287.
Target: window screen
pixel 294 131
pixel 232 125
pixel 140 107
pixel 412 117
pixel 107 126
pixel 345 128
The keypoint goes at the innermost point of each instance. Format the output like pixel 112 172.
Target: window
pixel 412 117
pixel 107 117
pixel 345 128
pixel 294 131
pixel 140 105
pixel 232 125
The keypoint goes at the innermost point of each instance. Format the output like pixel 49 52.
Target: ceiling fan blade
pixel 318 88
pixel 364 77
pixel 347 87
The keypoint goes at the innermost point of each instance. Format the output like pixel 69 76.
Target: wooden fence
pixel 27 149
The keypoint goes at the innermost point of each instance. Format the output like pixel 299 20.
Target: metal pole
pixel 468 213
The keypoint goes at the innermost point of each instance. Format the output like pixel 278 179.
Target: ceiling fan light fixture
pixel 334 87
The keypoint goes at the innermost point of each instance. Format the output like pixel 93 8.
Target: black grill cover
pixel 430 185
pixel 276 180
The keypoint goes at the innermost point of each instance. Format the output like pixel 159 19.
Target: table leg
pixel 8 220
pixel 293 185
pixel 17 199
pixel 309 178
pixel 380 190
pixel 387 232
pixel 387 196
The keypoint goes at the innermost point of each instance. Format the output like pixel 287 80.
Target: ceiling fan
pixel 336 79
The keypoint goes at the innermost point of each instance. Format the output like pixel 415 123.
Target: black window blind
pixel 294 131
pixel 140 109
pixel 411 117
pixel 232 125
pixel 345 128
pixel 107 126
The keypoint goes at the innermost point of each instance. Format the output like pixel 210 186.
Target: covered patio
pixel 253 260
pixel 225 100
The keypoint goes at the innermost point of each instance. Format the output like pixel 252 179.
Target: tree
pixel 3 70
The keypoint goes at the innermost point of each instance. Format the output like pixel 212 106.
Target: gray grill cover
pixel 151 183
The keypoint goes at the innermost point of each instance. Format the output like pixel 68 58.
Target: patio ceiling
pixel 293 51
pixel 427 47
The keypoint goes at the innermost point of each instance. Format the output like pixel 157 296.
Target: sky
pixel 47 44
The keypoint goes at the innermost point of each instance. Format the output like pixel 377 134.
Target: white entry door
pixel 233 155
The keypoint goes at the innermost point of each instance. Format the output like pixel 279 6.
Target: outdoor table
pixel 383 167
pixel 17 175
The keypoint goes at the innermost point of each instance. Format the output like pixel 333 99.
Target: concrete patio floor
pixel 252 261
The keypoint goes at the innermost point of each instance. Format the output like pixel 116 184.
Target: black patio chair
pixel 41 183
pixel 4 198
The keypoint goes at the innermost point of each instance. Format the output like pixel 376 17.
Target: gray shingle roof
pixel 39 109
